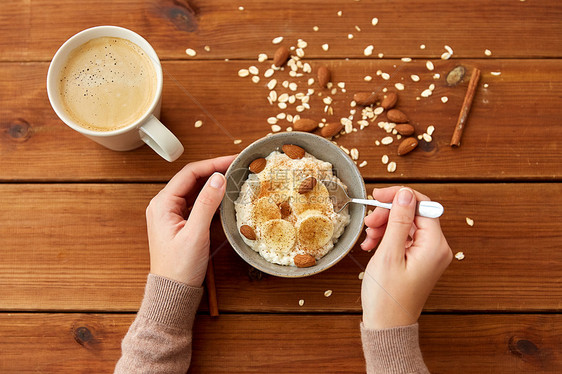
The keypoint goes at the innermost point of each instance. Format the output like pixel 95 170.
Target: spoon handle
pixel 429 209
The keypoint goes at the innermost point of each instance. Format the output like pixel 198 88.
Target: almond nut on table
pixel 407 146
pixel 248 232
pixel 304 261
pixel 293 151
pixel 365 98
pixel 307 185
pixel 396 116
pixel 324 76
pixel 281 56
pixel 389 101
pixel 305 124
pixel 404 129
pixel 331 129
pixel 257 165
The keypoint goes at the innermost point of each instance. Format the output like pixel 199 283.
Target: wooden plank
pixel 285 343
pixel 508 28
pixel 513 128
pixel 83 248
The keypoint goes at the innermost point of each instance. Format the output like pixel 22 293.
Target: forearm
pixel 159 340
pixel 395 350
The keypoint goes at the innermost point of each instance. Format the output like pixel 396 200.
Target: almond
pixel 257 165
pixel 324 76
pixel 407 146
pixel 305 124
pixel 304 261
pixel 365 98
pixel 396 116
pixel 390 100
pixel 285 209
pixel 307 185
pixel 331 129
pixel 248 232
pixel 404 129
pixel 281 56
pixel 293 151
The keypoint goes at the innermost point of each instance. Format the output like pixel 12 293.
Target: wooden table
pixel 72 230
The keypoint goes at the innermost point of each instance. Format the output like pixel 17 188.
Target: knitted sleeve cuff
pixel 170 302
pixel 393 350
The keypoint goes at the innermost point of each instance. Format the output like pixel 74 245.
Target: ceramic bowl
pixel 320 148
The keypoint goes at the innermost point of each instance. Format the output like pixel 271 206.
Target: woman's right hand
pixel 401 273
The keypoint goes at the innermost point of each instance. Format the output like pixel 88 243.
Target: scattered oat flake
pixel 378 110
pixel 444 99
pixel 275 128
pixel 339 13
pixel 486 85
pixel 367 78
pixel 272 120
pixel 350 36
pixel 415 78
pixel 328 293
pixel 207 48
pixel 243 73
pixel 427 138
pixel 399 86
pixel 237 141
pixel 374 21
pixel 255 79
pixel 301 302
pixel 262 57
pixel 496 73
pixel 487 52
pixel 368 50
pixel 384 159
pixel 315 28
pixel 429 65
pixel 385 76
pixel 190 52
pixel 381 55
pixel 406 59
pixel 430 129
pixel 361 275
pixel 325 47
pixel 240 8
pixel 391 167
pixel 277 40
pixel 387 140
pixel 448 49
pixel 459 256
pixel 253 70
pixel 198 123
pixel 426 93
pixel 445 56
pixel 470 221
pixel 354 153
pixel 436 76
pixel 363 164
pixel 272 83
pixel 357 28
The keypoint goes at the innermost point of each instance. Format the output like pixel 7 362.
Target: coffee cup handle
pixel 160 139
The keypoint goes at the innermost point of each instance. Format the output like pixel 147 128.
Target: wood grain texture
pixel 83 248
pixel 329 344
pixel 513 128
pixel 33 30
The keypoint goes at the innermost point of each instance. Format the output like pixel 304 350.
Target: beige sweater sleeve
pixel 159 340
pixel 394 351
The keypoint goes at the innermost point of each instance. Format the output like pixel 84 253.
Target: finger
pixel 206 205
pixel 378 218
pixel 375 233
pixel 399 223
pixel 369 244
pixel 386 195
pixel 186 179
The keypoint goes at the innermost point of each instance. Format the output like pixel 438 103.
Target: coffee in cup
pixel 107 83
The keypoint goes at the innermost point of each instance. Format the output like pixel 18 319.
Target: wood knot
pixel 83 336
pixel 179 12
pixel 522 347
pixel 430 147
pixel 18 130
pixel 254 274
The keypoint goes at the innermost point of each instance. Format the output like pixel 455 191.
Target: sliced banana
pixel 278 235
pixel 265 210
pixel 317 199
pixel 314 230
pixel 277 192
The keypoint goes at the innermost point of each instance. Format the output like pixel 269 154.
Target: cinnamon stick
pixel 463 116
pixel 211 289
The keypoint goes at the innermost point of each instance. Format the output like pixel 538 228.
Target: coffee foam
pixel 107 83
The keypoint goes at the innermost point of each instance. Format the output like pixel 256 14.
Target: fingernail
pixel 405 196
pixel 217 180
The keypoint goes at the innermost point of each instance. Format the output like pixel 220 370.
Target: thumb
pixel 400 222
pixel 206 204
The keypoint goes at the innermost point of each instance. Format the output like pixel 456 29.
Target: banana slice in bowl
pixel 278 235
pixel 314 230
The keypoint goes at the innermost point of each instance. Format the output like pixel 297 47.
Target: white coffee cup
pixel 147 129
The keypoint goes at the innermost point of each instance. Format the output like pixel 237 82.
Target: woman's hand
pixel 178 221
pixel 402 272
